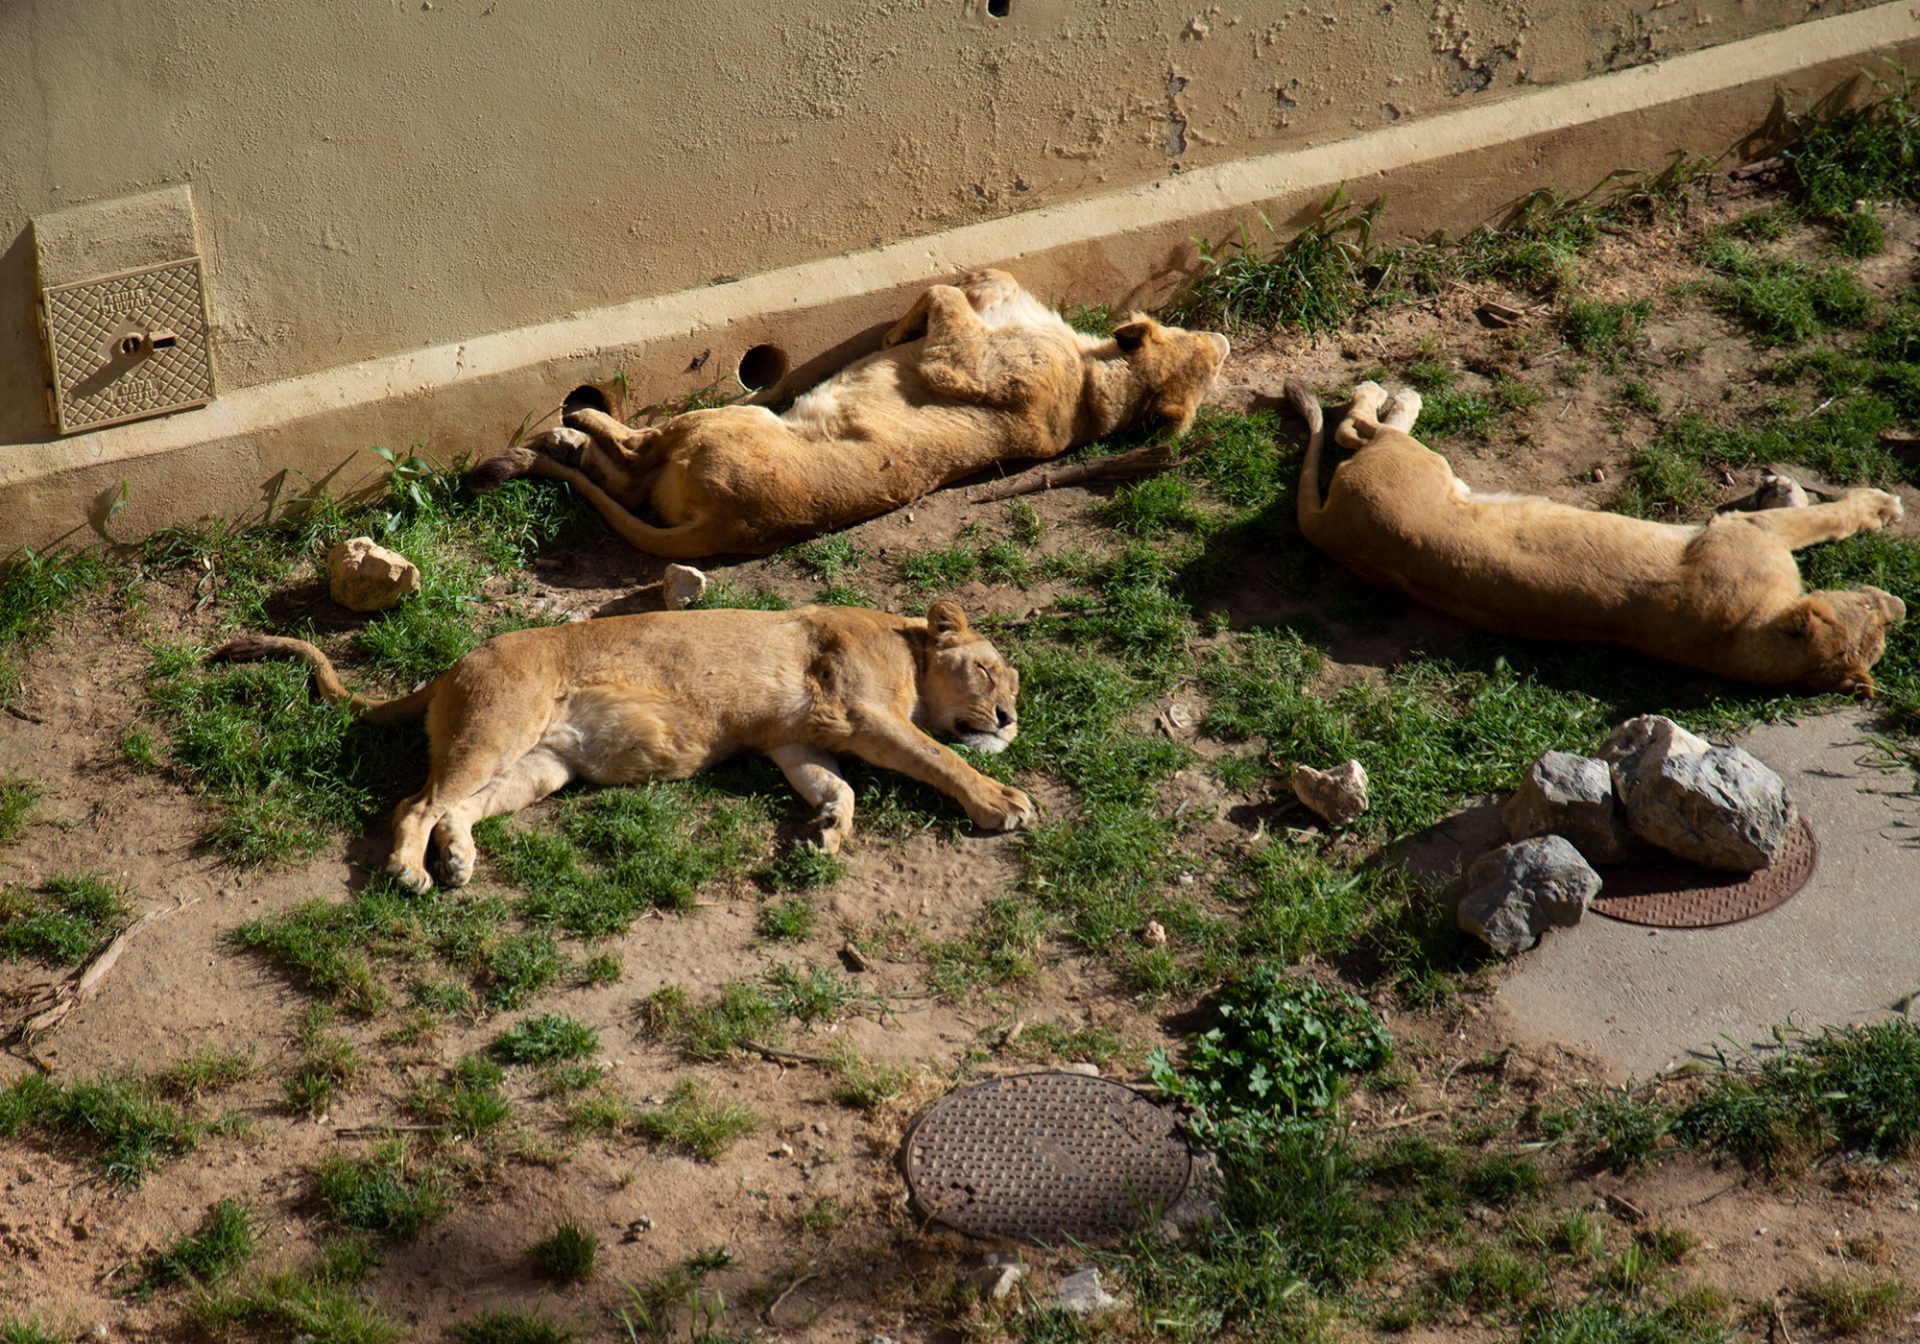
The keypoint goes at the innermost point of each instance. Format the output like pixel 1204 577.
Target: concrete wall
pixel 385 189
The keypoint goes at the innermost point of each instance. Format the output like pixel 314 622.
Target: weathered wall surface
pixel 372 179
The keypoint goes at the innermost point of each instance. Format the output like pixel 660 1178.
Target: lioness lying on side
pixel 668 694
pixel 974 374
pixel 1724 597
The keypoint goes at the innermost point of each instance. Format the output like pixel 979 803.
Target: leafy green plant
pixel 1312 281
pixel 382 1192
pixel 1276 1059
pixel 226 1239
pixel 567 1255
pixel 694 1122
pixel 546 1039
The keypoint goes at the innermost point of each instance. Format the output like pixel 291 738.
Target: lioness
pixel 974 374
pixel 667 694
pixel 1724 597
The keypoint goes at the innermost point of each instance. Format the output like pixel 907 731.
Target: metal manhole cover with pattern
pixel 1672 894
pixel 1044 1157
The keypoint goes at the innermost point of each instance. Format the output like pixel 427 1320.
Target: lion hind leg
pixel 1401 410
pixel 816 777
pixel 526 781
pixel 1363 417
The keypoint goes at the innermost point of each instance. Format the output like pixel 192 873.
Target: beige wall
pixel 377 176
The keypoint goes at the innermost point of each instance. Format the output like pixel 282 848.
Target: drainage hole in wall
pixel 762 367
pixel 129 345
pixel 587 397
pixel 999 8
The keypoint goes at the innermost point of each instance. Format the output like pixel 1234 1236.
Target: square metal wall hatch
pixel 127 346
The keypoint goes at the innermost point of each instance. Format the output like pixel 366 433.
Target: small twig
pixel 1625 1207
pixel 1143 461
pixel 1756 169
pixel 1777 1332
pixel 361 1131
pixel 1406 1120
pixel 785 1293
pixel 84 986
pixel 795 1056
pixel 23 715
pixel 1054 615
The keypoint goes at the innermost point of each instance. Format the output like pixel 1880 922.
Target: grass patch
pixel 1781 301
pixel 320 1303
pixel 329 1065
pixel 567 1255
pixel 1852 1303
pixel 548 1039
pixel 1870 152
pixel 1311 282
pixel 693 1122
pixel 509 1327
pixel 227 1238
pixel 118 1123
pixel 17 799
pixel 34 590
pixel 382 1192
pixel 788 921
pixel 63 921
pixel 1605 331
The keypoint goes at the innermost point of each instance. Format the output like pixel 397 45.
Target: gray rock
pixel 1571 796
pixel 1519 891
pixel 1721 808
pixel 1081 1293
pixel 681 586
pixel 364 576
pixel 996 1277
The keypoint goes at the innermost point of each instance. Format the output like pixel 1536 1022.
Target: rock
pixel 1779 491
pixel 363 576
pixel 1519 891
pixel 1337 796
pixel 1081 1066
pixel 1571 796
pixel 1630 748
pixel 1720 808
pixel 1155 934
pixel 996 1278
pixel 681 586
pixel 1081 1293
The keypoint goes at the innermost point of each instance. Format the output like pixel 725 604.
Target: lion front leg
pixel 816 777
pixel 1856 511
pixel 894 744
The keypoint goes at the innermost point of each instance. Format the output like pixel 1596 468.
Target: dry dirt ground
pixel 862 1267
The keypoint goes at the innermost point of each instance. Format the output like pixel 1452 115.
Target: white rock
pixel 1081 1293
pixel 1337 796
pixel 681 585
pixel 363 576
pixel 1640 742
pixel 997 1278
pixel 1155 934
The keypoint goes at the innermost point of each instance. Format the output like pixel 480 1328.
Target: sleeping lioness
pixel 974 374
pixel 1724 597
pixel 664 695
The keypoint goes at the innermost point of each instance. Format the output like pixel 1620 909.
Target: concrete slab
pixel 1846 949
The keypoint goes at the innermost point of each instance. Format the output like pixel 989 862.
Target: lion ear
pixel 1797 622
pixel 1133 334
pixel 947 623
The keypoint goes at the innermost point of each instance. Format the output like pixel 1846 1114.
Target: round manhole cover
pixel 1671 894
pixel 1044 1157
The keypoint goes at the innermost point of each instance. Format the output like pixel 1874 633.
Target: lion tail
pixel 252 648
pixel 1301 397
pixel 506 465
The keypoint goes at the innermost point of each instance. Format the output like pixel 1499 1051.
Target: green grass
pixel 25 1330
pixel 1852 1302
pixel 226 1239
pixel 329 1065
pixel 567 1254
pixel 63 921
pixel 694 1122
pixel 801 868
pixel 547 1039
pixel 321 1303
pixel 118 1123
pixel 467 1102
pixel 206 1068
pixel 743 1013
pixel 510 1327
pixel 1870 152
pixel 1311 282
pixel 1609 332
pixel 382 1192
pixel 1781 301
pixel 788 921
pixel 34 590
pixel 17 799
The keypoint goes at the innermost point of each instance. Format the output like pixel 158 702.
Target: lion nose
pixel 1005 716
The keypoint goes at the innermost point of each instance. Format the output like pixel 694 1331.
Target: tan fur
pixel 1724 597
pixel 668 694
pixel 972 375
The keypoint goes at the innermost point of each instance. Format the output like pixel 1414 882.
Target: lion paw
pixel 831 827
pixel 415 880
pixel 1009 810
pixel 563 445
pixel 1883 509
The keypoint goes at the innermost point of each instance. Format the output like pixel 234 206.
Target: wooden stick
pixel 1143 461
pixel 785 1293
pixel 793 1056
pixel 86 985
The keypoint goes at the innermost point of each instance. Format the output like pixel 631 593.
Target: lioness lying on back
pixel 1724 597
pixel 974 374
pixel 664 695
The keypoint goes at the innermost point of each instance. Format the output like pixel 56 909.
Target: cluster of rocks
pixel 1653 783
